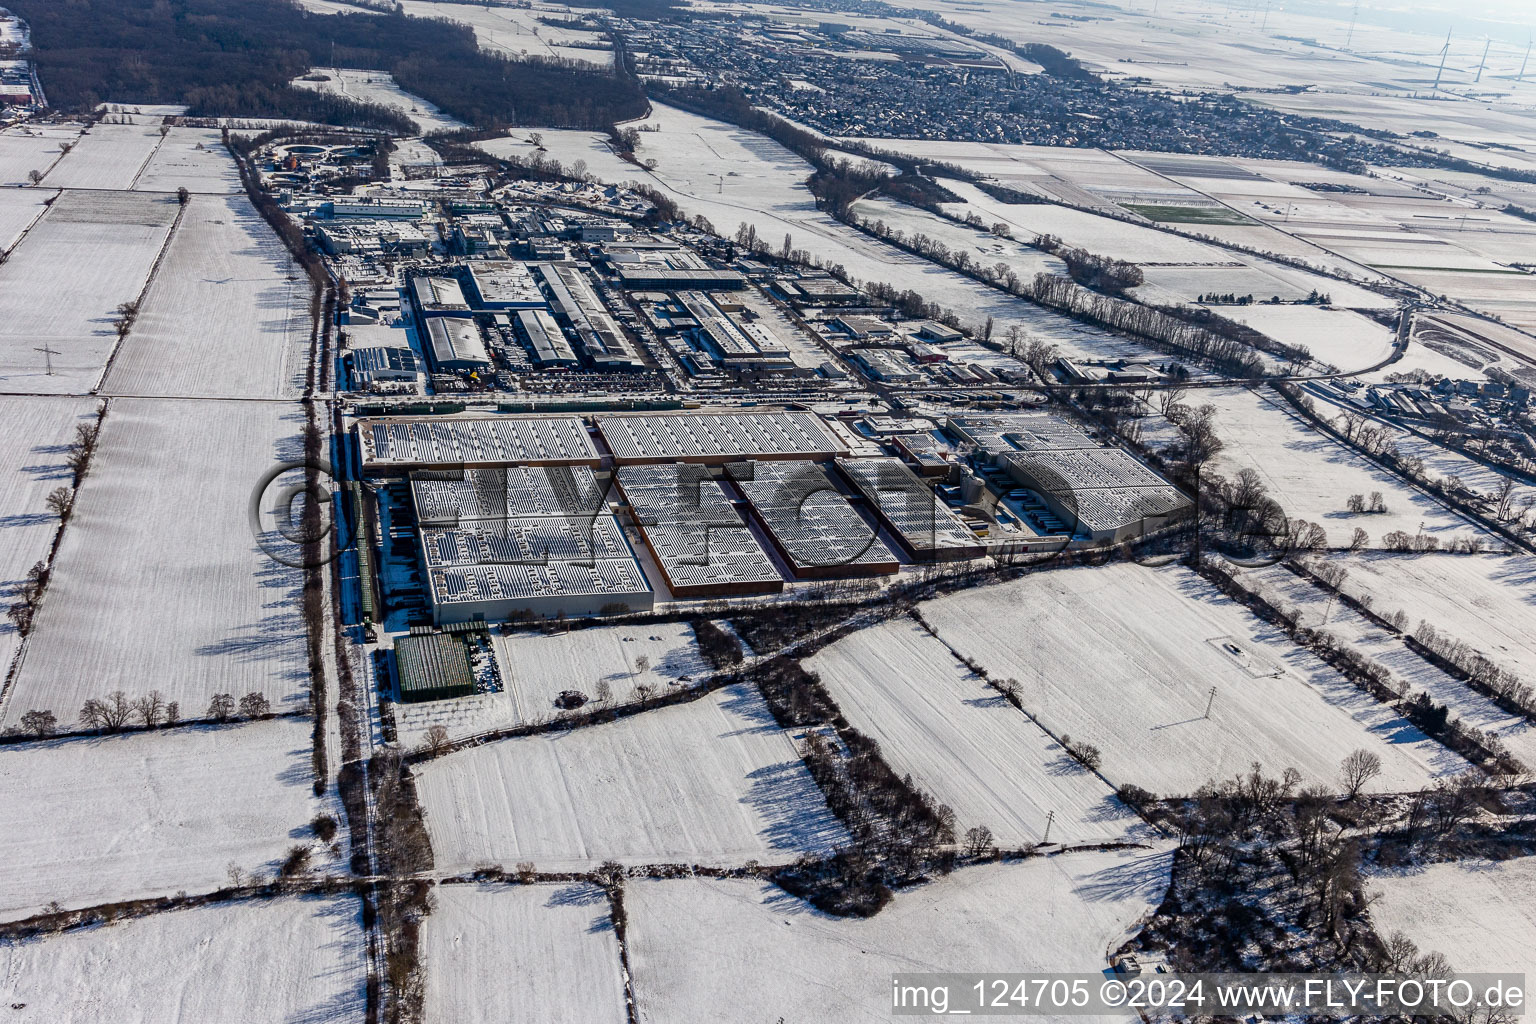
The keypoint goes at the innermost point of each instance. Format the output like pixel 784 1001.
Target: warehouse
pixel 504 285
pixel 374 363
pixel 890 365
pixel 456 345
pixel 1102 491
pixel 645 276
pixel 602 339
pixel 544 339
pixel 907 507
pixel 699 542
pixel 717 438
pixel 439 296
pixel 811 524
pixel 397 444
pixel 730 342
pixel 525 540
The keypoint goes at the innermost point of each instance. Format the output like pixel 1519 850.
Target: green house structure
pixel 433 666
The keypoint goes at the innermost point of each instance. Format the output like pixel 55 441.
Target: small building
pixel 455 344
pixel 938 332
pixel 433 666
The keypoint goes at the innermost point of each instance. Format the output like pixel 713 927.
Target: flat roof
pixel 811 520
pixel 468 441
pixel 505 283
pixel 718 435
pixel 527 541
pixel 910 508
pixel 694 532
pixel 545 337
pixel 512 492
pixel 616 578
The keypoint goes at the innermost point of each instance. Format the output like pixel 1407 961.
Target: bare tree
pixel 644 692
pixel 222 707
pixel 172 713
pixel 39 723
pixel 436 740
pixel 978 841
pixel 1360 540
pixel 642 664
pixel 60 500
pixel 603 690
pixel 255 704
pixel 35 176
pixel 1358 769
pixel 150 708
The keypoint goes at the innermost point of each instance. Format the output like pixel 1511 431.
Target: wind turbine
pixel 1527 60
pixel 1487 42
pixel 1445 52
pixel 1354 15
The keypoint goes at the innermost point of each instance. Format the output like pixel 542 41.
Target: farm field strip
pixel 107 156
pixel 194 159
pixel 1480 914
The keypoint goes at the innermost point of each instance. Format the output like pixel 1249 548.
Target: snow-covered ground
pixel 742 952
pixel 379 87
pixel 190 158
pixel 518 32
pixel 1127 658
pixel 19 210
pixel 298 959
pixel 108 156
pixel 962 742
pixel 1480 914
pixel 1488 601
pixel 34 431
pixel 536 668
pixel 1285 589
pixel 577 151
pixel 159 583
pixel 1312 476
pixel 1339 337
pixel 522 952
pixel 30 148
pixel 226 316
pixel 60 287
pixel 91 820
pixel 714 781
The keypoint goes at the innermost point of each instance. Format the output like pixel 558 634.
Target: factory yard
pixel 1127 658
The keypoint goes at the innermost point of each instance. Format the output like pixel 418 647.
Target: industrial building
pixel 397 444
pixel 504 285
pixel 889 365
pixel 375 363
pixel 1099 489
pixel 433 666
pixel 716 438
pixel 698 540
pixel 574 301
pixel 456 345
pixel 730 342
pixel 814 529
pixel 525 540
pixel 545 341
pixel 439 296
pixel 908 508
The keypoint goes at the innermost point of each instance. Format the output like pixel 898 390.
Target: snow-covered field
pixel 379 87
pixel 1489 601
pixel 1284 588
pixel 535 668
pixel 108 156
pixel 1480 914
pixel 1339 337
pixel 742 952
pixel 962 742
pixel 190 158
pixel 522 952
pixel 91 820
pixel 1127 658
pixel 19 210
pixel 159 583
pixel 292 959
pixel 23 150
pixel 89 253
pixel 226 316
pixel 35 431
pixel 577 152
pixel 518 32
pixel 1312 476
pixel 714 781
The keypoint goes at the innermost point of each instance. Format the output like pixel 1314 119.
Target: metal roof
pixel 811 520
pixel 451 496
pixel 433 666
pixel 703 435
pixel 695 533
pixel 452 340
pixel 496 440
pixel 909 506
